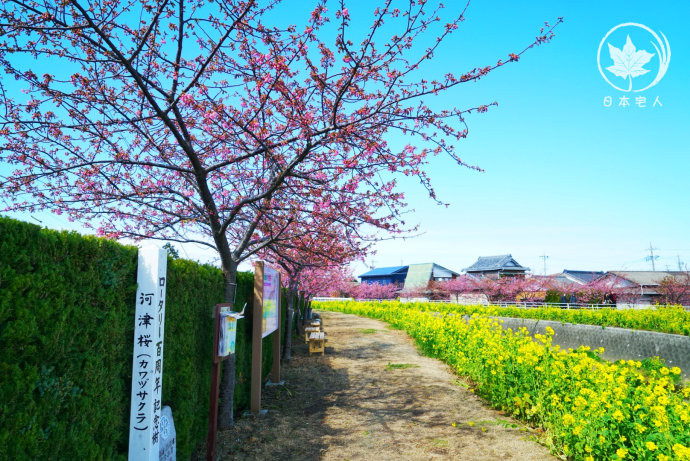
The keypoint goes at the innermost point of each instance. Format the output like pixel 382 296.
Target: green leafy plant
pixel 400 366
pixel 66 328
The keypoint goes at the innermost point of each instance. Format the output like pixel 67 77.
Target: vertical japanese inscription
pixel 147 365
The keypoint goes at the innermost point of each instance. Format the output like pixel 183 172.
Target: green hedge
pixel 243 343
pixel 66 333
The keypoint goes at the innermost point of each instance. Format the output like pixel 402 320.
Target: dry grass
pixel 373 396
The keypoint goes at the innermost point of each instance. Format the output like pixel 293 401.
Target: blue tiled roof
pixel 381 271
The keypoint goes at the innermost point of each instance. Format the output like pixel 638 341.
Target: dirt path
pixel 374 397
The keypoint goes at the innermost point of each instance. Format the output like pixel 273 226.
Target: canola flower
pixel 669 319
pixel 588 407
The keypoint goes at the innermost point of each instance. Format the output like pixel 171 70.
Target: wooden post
pixel 275 371
pixel 215 385
pixel 255 398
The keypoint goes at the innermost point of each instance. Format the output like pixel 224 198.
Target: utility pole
pixel 651 256
pixel 680 263
pixel 544 257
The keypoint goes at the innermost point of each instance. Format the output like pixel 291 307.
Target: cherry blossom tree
pixel 595 291
pixel 675 289
pixel 463 284
pixel 326 281
pixel 310 246
pixel 375 291
pixel 419 291
pixel 209 122
pixel 502 289
pixel 533 289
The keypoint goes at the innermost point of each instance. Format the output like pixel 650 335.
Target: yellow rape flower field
pixel 664 319
pixel 588 408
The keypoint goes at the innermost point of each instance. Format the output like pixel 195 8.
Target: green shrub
pixel 66 333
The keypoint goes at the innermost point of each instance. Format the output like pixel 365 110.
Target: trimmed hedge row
pixel 66 332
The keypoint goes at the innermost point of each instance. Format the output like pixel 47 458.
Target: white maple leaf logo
pixel 627 63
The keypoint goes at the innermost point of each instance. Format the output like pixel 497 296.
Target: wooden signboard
pixel 266 297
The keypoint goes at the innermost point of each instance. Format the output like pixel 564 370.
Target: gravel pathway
pixel 374 397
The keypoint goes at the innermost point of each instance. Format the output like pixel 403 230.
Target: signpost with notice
pixel 147 363
pixel 224 334
pixel 266 321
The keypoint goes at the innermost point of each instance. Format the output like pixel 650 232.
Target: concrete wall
pixel 618 343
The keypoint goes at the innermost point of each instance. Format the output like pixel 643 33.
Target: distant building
pixel 414 275
pixel 578 277
pixel 419 275
pixel 385 275
pixel 641 285
pixel 496 266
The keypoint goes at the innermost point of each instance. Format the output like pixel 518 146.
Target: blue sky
pixel 589 186
pixel 586 185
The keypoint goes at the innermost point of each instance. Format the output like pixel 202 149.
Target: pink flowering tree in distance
pixel 593 292
pixel 375 291
pixel 307 248
pixel 195 121
pixel 463 284
pixel 675 289
pixel 419 291
pixel 533 289
pixel 326 281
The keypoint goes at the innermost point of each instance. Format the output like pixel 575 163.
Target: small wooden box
pixel 308 331
pixel 317 343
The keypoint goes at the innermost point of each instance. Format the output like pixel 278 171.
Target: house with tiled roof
pixel 385 275
pixel 411 276
pixel 496 267
pixel 641 285
pixel 572 277
pixel 419 275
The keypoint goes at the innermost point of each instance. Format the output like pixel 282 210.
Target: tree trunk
pixel 302 314
pixel 307 310
pixel 287 350
pixel 227 382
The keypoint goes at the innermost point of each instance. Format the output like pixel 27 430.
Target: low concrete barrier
pixel 618 343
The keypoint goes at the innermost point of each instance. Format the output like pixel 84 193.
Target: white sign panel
pixel 271 301
pixel 147 363
pixel 227 333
